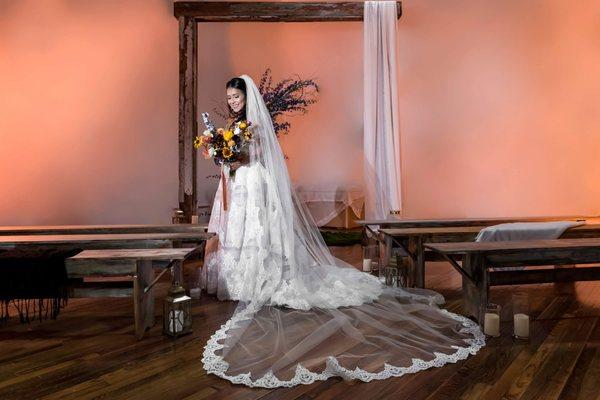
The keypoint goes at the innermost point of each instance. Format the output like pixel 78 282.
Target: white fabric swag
pixel 381 124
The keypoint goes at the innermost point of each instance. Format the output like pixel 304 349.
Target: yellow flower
pixel 227 135
pixel 243 125
pixel 231 143
pixel 227 152
pixel 198 142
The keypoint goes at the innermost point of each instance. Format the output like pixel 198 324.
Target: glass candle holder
pixel 391 276
pixel 369 255
pixel 491 320
pixel 520 303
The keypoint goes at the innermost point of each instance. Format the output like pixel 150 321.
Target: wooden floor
pixel 90 352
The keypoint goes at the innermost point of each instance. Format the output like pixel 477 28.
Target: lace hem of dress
pixel 215 364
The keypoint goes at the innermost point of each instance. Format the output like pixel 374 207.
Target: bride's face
pixel 236 99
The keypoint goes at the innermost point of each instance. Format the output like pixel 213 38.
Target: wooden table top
pixel 446 222
pixel 457 230
pixel 12 240
pixel 511 246
pixel 92 229
pixel 137 254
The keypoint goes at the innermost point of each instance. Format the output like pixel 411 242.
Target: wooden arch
pixel 189 14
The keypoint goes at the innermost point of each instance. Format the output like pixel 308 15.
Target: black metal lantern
pixel 177 312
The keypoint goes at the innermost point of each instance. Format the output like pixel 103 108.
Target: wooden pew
pixel 410 242
pixel 135 263
pixel 479 257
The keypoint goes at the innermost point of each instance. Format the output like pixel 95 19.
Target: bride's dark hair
pixel 240 84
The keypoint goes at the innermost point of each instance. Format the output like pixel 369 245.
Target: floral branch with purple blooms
pixel 288 97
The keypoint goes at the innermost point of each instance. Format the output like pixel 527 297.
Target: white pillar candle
pixel 194 219
pixel 521 322
pixel 175 321
pixel 367 264
pixel 491 324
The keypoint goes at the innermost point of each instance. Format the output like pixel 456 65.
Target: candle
pixel 521 322
pixel 367 264
pixel 491 324
pixel 175 321
pixel 194 219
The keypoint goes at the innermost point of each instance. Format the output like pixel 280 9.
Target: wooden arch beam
pixel 237 11
pixel 189 14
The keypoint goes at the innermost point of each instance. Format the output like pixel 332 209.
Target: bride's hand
pixel 234 165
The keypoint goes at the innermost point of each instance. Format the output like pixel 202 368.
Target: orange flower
pixel 231 143
pixel 227 152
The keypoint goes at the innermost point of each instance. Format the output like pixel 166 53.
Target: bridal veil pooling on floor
pixel 304 315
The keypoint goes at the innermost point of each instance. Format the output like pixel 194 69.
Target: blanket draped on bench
pixel 525 231
pixel 34 281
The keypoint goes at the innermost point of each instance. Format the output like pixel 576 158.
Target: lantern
pixel 177 313
pixel 178 216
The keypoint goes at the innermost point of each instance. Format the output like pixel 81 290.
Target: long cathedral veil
pixel 311 316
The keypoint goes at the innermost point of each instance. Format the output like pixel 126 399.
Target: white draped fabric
pixel 525 231
pixel 326 204
pixel 381 123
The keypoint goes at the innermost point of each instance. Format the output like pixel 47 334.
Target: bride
pixel 302 314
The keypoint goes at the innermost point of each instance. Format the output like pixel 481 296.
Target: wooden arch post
pixel 188 127
pixel 189 13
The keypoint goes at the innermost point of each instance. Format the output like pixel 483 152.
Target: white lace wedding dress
pixel 304 315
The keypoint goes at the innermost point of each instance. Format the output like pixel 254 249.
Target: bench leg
pixel 143 304
pixel 177 271
pixel 416 262
pixel 475 294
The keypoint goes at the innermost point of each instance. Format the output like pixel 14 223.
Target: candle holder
pixel 391 276
pixel 370 254
pixel 177 315
pixel 178 216
pixel 491 320
pixel 520 303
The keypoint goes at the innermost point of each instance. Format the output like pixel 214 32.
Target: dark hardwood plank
pixel 90 352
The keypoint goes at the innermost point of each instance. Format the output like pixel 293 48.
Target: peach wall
pixel 499 106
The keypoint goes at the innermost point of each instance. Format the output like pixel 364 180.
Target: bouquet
pixel 223 146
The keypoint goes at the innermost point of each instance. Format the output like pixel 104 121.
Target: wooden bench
pixel 135 263
pixel 479 257
pixel 103 241
pixel 115 266
pixel 458 222
pixel 410 242
pixel 99 229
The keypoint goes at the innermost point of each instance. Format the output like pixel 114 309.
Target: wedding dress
pixel 304 315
